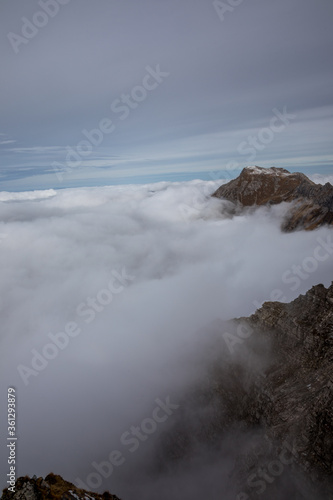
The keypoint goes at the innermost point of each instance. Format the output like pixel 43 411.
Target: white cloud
pixel 321 179
pixel 27 195
pixel 6 142
pixel 38 149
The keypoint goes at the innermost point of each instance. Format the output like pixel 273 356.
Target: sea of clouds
pixel 128 275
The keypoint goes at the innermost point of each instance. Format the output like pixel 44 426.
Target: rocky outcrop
pixel 294 398
pixel 271 377
pixel 53 487
pixel 255 186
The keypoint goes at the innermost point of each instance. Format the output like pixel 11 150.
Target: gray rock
pixel 276 386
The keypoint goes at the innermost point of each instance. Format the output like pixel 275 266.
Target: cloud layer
pixel 153 264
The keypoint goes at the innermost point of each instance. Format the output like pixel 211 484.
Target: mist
pixel 123 281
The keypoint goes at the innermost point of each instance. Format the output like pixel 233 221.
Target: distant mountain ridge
pixel 257 186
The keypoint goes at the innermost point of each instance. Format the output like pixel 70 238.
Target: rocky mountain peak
pixel 256 186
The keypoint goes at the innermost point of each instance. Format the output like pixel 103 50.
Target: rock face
pixel 52 488
pixel 313 203
pixel 295 397
pixel 270 376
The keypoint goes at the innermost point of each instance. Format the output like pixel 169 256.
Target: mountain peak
pixel 256 186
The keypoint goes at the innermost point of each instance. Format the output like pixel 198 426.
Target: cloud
pixel 38 149
pixel 6 142
pixel 321 179
pixel 190 263
pixel 28 195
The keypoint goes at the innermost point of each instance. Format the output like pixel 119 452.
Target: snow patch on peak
pixel 267 171
pixel 254 168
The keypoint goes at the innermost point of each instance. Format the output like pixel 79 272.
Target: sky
pixel 106 295
pixel 109 92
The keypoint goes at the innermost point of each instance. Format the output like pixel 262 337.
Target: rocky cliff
pixel 53 487
pixel 294 398
pixel 270 379
pixel 312 203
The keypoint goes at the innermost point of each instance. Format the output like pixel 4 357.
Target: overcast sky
pixel 196 82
